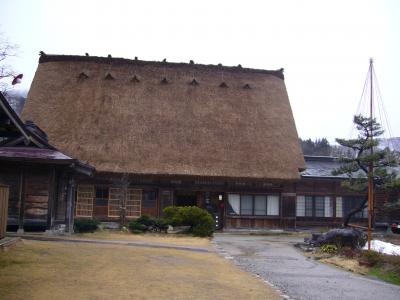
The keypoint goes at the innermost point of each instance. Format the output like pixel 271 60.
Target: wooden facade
pixel 40 178
pixel 317 199
pixel 37 194
pixel 258 205
pixel 3 210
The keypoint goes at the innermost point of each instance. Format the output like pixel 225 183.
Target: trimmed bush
pixel 146 223
pixel 200 221
pixel 85 225
pixel 136 227
pixel 204 229
pixel 145 220
pixel 172 216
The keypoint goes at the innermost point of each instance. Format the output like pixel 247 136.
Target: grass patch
pixel 168 239
pixel 9 262
pixel 382 266
pixel 388 276
pixel 56 270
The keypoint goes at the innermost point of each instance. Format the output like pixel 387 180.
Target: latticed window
pixel 314 206
pixel 84 201
pixel 350 203
pixel 301 206
pixel 319 206
pixel 339 207
pixel 133 202
pixel 309 206
pixel 114 202
pixel 253 205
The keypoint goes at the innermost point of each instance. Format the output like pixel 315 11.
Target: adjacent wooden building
pixel 39 177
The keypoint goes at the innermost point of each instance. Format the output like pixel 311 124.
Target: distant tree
pixel 356 167
pixel 322 147
pixel 319 147
pixel 7 50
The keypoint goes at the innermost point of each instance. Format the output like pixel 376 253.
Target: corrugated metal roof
pixel 30 153
pixel 321 166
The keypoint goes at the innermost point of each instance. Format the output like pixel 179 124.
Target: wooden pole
pixel 370 167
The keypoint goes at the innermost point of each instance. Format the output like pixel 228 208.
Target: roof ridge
pixel 44 58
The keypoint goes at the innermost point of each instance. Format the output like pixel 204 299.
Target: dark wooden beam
pixel 70 205
pixel 52 198
pixel 21 200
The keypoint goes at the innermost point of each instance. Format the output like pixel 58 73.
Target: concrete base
pixel 109 225
pixel 59 229
pixel 7 242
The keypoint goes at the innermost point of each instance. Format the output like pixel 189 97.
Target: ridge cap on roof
pixel 44 58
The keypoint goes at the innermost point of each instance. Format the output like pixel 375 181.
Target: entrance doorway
pixel 214 204
pixel 185 198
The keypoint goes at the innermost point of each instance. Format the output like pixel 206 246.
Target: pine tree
pixel 356 167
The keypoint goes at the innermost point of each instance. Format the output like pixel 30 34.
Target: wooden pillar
pixel 21 200
pixel 70 205
pixel 52 199
pixel 4 198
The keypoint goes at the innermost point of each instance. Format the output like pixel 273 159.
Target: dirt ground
pixel 57 270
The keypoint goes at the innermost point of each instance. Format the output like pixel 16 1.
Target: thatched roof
pixel 26 143
pixel 167 118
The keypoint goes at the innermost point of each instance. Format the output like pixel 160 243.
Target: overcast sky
pixel 324 46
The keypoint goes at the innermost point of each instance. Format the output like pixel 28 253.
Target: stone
pixel 342 237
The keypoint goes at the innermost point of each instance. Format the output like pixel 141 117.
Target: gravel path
pixel 275 259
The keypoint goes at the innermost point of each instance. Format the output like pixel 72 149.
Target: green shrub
pixel 331 249
pixel 200 221
pixel 172 216
pixel 85 225
pixel 135 226
pixel 161 224
pixel 145 220
pixel 145 223
pixel 205 228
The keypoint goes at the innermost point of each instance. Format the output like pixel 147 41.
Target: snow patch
pixel 383 247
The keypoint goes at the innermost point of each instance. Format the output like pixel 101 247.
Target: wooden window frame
pixel 314 206
pixel 253 195
pixel 89 205
pixel 115 201
pixel 138 209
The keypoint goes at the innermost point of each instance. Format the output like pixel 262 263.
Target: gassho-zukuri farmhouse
pixel 113 139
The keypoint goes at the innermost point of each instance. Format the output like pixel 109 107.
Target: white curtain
pixel 234 202
pixel 328 207
pixel 273 206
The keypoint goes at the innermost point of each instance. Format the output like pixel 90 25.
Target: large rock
pixel 343 237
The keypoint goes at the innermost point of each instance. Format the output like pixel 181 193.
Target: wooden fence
pixel 3 210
